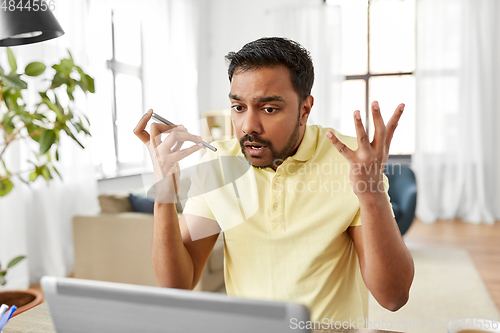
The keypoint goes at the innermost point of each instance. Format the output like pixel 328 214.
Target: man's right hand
pixel 166 154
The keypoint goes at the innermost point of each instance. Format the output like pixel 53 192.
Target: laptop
pixel 84 306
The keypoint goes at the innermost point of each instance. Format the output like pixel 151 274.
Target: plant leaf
pixel 58 80
pixel 15 261
pixel 15 93
pixel 48 138
pixel 52 106
pixel 58 104
pixel 7 171
pixel 53 167
pixel 24 181
pixel 90 84
pixel 71 59
pixel 32 128
pixel 70 88
pixel 35 69
pixel 46 173
pixel 81 128
pixel 11 103
pixel 9 127
pixel 86 118
pixel 38 116
pixel 83 80
pixel 33 176
pixel 65 66
pixel 12 60
pixel 13 81
pixel 7 123
pixel 86 81
pixel 5 187
pixel 3 282
pixel 70 134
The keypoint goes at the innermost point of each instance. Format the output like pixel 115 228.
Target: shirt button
pixel 277 181
pixel 276 206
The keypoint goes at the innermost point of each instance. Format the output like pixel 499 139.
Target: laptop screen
pixel 94 306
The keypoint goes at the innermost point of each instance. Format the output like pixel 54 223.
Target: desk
pixel 34 320
pixel 38 320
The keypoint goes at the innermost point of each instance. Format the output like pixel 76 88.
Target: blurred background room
pixel 439 57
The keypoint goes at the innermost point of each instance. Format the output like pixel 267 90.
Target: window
pixel 126 67
pixel 378 61
pixel 116 53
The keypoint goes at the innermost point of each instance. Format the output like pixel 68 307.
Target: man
pixel 307 243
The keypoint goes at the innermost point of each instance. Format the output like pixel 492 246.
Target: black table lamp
pixel 26 26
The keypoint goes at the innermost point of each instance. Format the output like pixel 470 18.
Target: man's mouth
pixel 254 145
pixel 254 148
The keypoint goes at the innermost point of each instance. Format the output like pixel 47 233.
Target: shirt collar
pixel 307 147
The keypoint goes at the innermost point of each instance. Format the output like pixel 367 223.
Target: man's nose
pixel 252 122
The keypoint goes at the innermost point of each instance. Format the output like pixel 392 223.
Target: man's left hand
pixel 368 161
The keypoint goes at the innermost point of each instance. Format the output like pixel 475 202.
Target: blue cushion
pixel 403 193
pixel 397 210
pixel 141 203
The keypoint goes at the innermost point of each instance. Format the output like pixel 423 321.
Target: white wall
pixel 231 24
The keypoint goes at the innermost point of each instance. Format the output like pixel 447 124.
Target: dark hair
pixel 276 51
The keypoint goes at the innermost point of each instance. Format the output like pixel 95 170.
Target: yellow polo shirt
pixel 285 231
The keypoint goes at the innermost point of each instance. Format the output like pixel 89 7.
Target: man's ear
pixel 305 109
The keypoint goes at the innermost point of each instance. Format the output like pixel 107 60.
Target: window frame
pixel 366 78
pixel 116 67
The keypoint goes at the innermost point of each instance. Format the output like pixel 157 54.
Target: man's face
pixel 266 114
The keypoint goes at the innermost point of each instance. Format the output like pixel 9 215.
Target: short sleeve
pixel 198 206
pixel 357 218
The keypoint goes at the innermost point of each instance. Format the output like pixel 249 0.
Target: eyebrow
pixel 264 99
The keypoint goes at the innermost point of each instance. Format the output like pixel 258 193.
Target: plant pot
pixel 23 299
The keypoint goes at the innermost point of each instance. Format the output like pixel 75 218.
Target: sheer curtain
pixel 171 42
pixel 36 220
pixel 317 27
pixel 457 158
pixel 170 57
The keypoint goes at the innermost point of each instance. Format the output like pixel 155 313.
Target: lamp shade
pixel 25 26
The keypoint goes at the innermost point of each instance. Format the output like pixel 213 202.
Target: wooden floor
pixel 481 241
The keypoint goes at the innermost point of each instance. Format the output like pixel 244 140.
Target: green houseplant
pixel 40 123
pixel 44 123
pixel 3 272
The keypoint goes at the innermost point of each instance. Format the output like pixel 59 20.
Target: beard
pixel 277 157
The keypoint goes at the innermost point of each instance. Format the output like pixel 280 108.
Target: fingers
pixel 168 152
pixel 378 122
pixel 341 147
pixel 177 146
pixel 392 124
pixel 157 129
pixel 179 155
pixel 140 128
pixel 363 139
pixel 175 137
pixel 168 160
